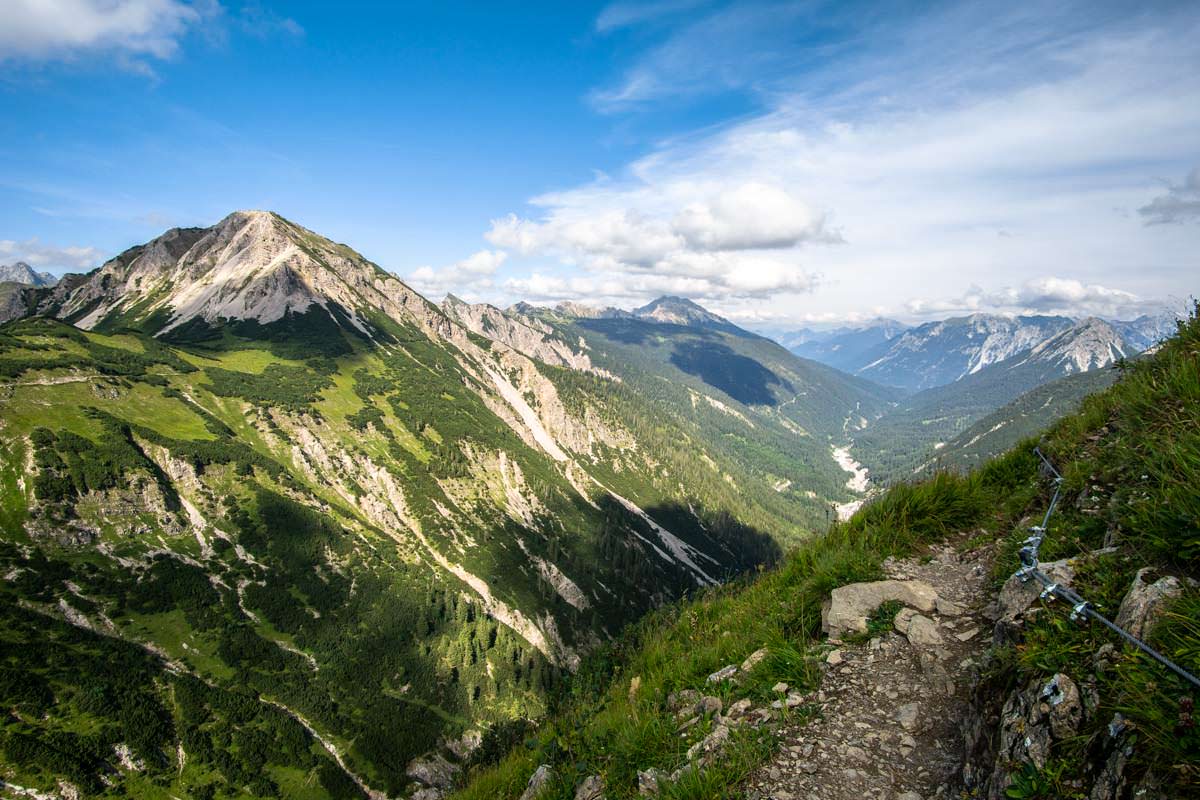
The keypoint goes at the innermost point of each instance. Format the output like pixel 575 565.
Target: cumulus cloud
pixel 1180 204
pixel 1046 295
pixel 47 29
pixel 470 275
pixel 714 238
pixel 750 216
pixel 37 254
pixel 953 150
pixel 724 278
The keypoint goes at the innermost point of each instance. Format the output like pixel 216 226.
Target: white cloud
pixel 750 216
pixel 1047 295
pixel 716 278
pixel 37 254
pixel 713 237
pixel 48 29
pixel 729 47
pixel 471 275
pixel 1180 204
pixel 624 15
pixel 953 155
pixel 623 235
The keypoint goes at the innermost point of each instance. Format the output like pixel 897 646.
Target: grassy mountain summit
pixel 274 524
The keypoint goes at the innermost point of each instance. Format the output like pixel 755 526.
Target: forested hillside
pixel 750 400
pixel 1017 420
pixel 327 541
pixel 1126 537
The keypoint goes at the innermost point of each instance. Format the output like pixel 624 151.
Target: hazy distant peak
pixel 20 272
pixel 681 311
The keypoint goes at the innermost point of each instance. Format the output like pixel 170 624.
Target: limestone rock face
pixel 537 783
pixel 1144 602
pixel 1032 719
pixel 723 674
pixel 1016 596
pixel 849 606
pixel 13 304
pixel 648 782
pixel 1066 707
pixel 710 744
pixel 523 333
pixel 592 788
pixel 434 771
pixel 754 659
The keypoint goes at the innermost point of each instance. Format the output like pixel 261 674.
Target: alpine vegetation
pixel 688 399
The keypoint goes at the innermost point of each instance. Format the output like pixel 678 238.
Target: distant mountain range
pixel 20 272
pixel 919 425
pixel 942 352
pixel 846 348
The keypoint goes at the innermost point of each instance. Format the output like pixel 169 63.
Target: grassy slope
pixel 1131 460
pixel 1024 417
pixel 395 622
pixel 393 637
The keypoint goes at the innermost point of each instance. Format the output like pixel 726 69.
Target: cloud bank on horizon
pixel 899 170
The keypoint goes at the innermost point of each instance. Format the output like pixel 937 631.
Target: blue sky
pixel 782 162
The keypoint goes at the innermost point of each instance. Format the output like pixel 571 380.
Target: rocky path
pixel 891 708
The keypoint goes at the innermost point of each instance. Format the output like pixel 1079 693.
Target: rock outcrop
pixel 850 606
pixel 538 782
pixel 1145 601
pixel 1008 731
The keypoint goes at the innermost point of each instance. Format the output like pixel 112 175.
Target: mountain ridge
pixel 997 711
pixel 279 480
pixel 942 351
pixel 20 272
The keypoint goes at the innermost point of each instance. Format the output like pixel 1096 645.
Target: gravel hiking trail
pixel 890 709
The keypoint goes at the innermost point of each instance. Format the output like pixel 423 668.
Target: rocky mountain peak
pixel 252 265
pixel 945 351
pixel 675 310
pixel 1088 344
pixel 523 332
pixel 20 272
pixel 570 308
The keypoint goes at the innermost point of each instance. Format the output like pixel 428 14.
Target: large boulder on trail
pixel 850 606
